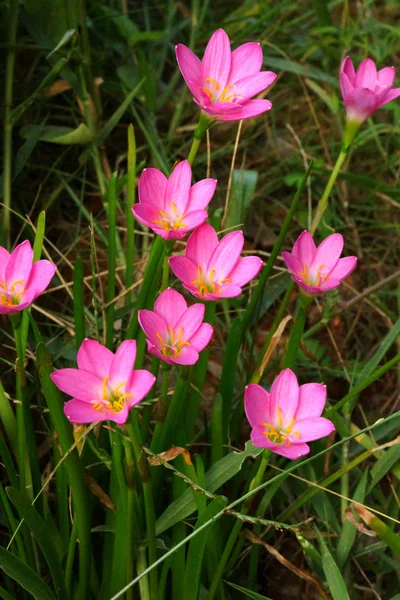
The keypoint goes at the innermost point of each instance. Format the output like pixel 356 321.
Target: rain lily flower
pixel 317 270
pixel 175 333
pixel 21 279
pixel 173 207
pixel 287 417
pixel 104 386
pixel 212 270
pixel 367 89
pixel 224 81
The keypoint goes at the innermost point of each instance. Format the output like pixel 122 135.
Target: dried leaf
pixel 350 517
pixel 99 493
pixel 159 459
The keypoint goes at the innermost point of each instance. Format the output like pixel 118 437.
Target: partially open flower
pixel 175 333
pixel 21 279
pixel 287 417
pixel 317 270
pixel 224 82
pixel 104 386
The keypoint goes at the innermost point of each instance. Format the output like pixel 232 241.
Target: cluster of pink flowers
pixel 105 386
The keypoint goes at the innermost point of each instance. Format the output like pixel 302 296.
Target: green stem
pixel 112 252
pixel 130 521
pixel 323 203
pixel 165 274
pixel 295 339
pixel 133 430
pixel 164 401
pixel 70 558
pixel 204 123
pixel 130 220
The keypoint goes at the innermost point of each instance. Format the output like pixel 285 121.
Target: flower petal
pixel 187 356
pixel 312 398
pixel 293 451
pixel 329 284
pixel 348 68
pixel 246 60
pixel 252 108
pixel 292 263
pixel 392 95
pixel 201 194
pixel 361 104
pixel 151 323
pixel 139 384
pixel 313 429
pixel 20 264
pixel 216 63
pixel 202 337
pixel 343 267
pixel 346 88
pixel 190 321
pixel 178 187
pixel 191 220
pixel 246 269
pixel 95 358
pixel 77 411
pixel 285 396
pixel 147 214
pixel 227 290
pixel 304 248
pixel 256 405
pixel 328 253
pixel 190 67
pixel 200 246
pixel 386 76
pixel 152 187
pixel 4 258
pixel 170 306
pixel 183 268
pixel 254 84
pixel 40 276
pixel 226 255
pixel 366 76
pixel 82 385
pixel 122 363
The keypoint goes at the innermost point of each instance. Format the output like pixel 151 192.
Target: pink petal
pixel 202 337
pixel 256 405
pixel 170 306
pixel 190 321
pixel 292 263
pixel 226 255
pixel 309 289
pixel 190 67
pixel 216 63
pixel 4 258
pixel 386 76
pixel 218 109
pixel 122 363
pixel 246 60
pixel 293 451
pixel 348 69
pixel 328 253
pixel 346 87
pixel 183 268
pixel 226 291
pixel 329 284
pixel 40 276
pixel 191 220
pixel 312 398
pixel 392 95
pixel 139 384
pixel 20 264
pixel 343 268
pixel 77 411
pixel 313 429
pixel 246 269
pixel 147 214
pixel 361 104
pixel 151 323
pixel 254 84
pixel 82 385
pixel 285 396
pixel 95 358
pixel 178 187
pixel 252 108
pixel 304 248
pixel 152 187
pixel 366 76
pixel 200 246
pixel 201 194
pixel 187 356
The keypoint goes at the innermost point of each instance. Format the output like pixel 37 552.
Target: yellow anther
pixel 226 280
pixel 304 274
pixel 174 209
pixel 208 79
pixel 20 281
pixel 172 334
pixel 207 92
pixel 98 406
pixel 116 391
pixel 104 387
pixel 289 429
pixel 278 410
pixel 226 99
pixel 3 285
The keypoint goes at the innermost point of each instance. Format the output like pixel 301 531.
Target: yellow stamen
pixel 12 287
pixel 289 429
pixel 174 209
pixel 304 274
pixel 223 98
pixel 104 387
pixel 98 405
pixel 3 285
pixel 172 334
pixel 226 280
pixel 116 391
pixel 206 91
pixel 278 410
pixel 215 83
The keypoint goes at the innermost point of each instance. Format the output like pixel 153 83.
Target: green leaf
pixel 331 101
pixel 39 529
pixel 25 576
pixel 220 473
pixel 283 64
pixel 384 463
pixel 242 192
pixel 59 135
pixel 53 17
pixel 336 584
pixel 391 337
pixel 349 531
pixel 248 593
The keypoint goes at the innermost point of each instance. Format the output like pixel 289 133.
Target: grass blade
pixel 25 576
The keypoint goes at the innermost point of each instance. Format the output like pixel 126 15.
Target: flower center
pixel 215 94
pixel 208 283
pixel 172 346
pixel 12 296
pixel 113 400
pixel 279 433
pixel 313 276
pixel 170 221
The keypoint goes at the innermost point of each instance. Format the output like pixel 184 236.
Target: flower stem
pixel 202 126
pixel 130 513
pixel 323 203
pixel 295 339
pixel 168 245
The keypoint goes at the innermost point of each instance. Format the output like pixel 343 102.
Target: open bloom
pixel 317 270
pixel 173 207
pixel 224 81
pixel 287 417
pixel 104 386
pixel 21 279
pixel 367 89
pixel 175 333
pixel 212 270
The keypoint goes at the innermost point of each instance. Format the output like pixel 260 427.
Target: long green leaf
pixel 55 134
pixel 247 593
pixel 336 584
pixel 349 531
pixel 25 576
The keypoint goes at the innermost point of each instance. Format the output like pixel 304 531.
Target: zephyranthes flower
pixel 212 270
pixel 173 207
pixel 366 90
pixel 21 279
pixel 287 417
pixel 104 386
pixel 175 333
pixel 224 81
pixel 317 270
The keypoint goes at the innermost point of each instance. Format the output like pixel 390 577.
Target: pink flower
pixel 21 279
pixel 287 417
pixel 224 81
pixel 317 270
pixel 212 270
pixel 367 89
pixel 175 333
pixel 172 207
pixel 104 386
